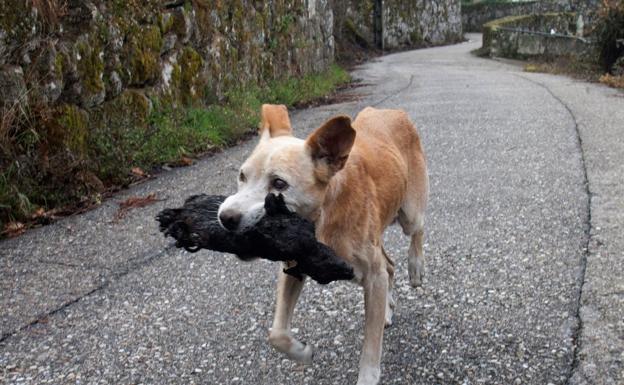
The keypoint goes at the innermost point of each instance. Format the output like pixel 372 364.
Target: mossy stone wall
pixel 421 23
pixel 90 51
pixel 85 84
pixel 404 24
pixel 79 78
pixel 474 16
pixel 93 67
pixel 526 36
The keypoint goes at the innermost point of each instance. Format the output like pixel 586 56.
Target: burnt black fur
pixel 281 235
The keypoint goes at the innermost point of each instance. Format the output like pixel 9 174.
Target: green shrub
pixel 609 31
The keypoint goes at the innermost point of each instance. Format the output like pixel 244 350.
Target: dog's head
pixel 298 169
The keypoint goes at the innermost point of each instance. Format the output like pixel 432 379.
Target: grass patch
pixel 579 69
pixel 80 156
pixel 569 66
pixel 191 131
pixel 297 92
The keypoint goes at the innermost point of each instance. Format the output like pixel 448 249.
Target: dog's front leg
pixel 288 290
pixel 375 287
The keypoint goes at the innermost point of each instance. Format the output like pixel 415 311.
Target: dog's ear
pixel 329 146
pixel 275 121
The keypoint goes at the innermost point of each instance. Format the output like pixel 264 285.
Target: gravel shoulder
pixel 523 247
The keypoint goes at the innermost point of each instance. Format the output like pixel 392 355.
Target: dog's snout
pixel 230 219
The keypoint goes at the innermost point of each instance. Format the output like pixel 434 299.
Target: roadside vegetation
pixel 51 167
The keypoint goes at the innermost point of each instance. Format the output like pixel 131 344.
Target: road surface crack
pixel 576 341
pixel 39 319
pixel 397 92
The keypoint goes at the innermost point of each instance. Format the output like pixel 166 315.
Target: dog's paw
pixel 294 349
pixel 416 281
pixel 307 355
pixel 416 270
pixel 369 376
pixel 301 352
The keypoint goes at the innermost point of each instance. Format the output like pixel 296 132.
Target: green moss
pixel 354 34
pixel 178 22
pixel 141 11
pixel 284 23
pixel 131 107
pixel 415 36
pixel 59 65
pixel 71 129
pixel 90 66
pixel 188 71
pixel 17 20
pixel 144 67
pixel 144 54
pixel 152 39
pixel 165 22
pixel 176 75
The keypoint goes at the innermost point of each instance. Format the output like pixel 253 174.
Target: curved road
pixel 523 246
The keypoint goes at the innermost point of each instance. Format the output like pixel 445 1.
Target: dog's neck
pixel 345 216
pixel 333 194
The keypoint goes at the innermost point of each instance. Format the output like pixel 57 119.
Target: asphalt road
pixel 523 246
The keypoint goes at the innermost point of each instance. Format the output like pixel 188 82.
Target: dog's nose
pixel 230 219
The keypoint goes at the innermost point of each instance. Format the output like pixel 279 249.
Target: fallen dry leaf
pixel 186 161
pixel 134 202
pixel 13 229
pixel 138 172
pixel 40 212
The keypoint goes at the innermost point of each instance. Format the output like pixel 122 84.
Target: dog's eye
pixel 242 177
pixel 279 184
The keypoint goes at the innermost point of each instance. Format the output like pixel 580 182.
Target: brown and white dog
pixel 352 179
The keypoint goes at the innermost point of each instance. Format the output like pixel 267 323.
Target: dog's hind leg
pixel 288 290
pixel 375 285
pixel 412 216
pixel 412 220
pixel 390 303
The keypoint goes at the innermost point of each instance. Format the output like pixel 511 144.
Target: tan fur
pixel 353 180
pixel 275 119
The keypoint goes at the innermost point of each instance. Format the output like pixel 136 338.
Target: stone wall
pixel 543 35
pixel 438 22
pixel 89 89
pixel 353 26
pixel 474 16
pixel 402 24
pixel 87 53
